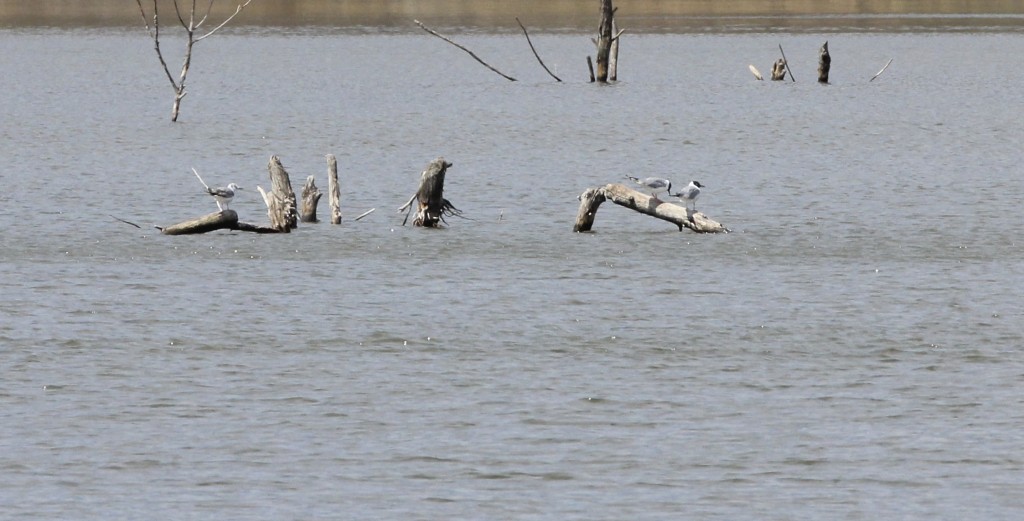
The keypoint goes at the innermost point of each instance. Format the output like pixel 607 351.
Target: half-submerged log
pixel 224 220
pixel 824 63
pixel 310 198
pixel 333 188
pixel 283 210
pixel 432 206
pixel 621 195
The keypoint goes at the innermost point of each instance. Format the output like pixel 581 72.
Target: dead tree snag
pixel 432 206
pixel 332 187
pixel 824 64
pixel 310 198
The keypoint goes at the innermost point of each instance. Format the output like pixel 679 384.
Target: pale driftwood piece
pixel 226 220
pixel 477 58
pixel 881 71
pixel 824 63
pixel 278 210
pixel 621 195
pixel 191 25
pixel 613 53
pixel 590 65
pixel 521 26
pixel 432 207
pixel 779 70
pixel 333 188
pixel 755 72
pixel 364 214
pixel 281 185
pixel 786 63
pixel 310 199
pixel 604 40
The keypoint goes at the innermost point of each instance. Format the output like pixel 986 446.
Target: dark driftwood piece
pixel 521 26
pixel 281 188
pixel 779 70
pixel 310 198
pixel 604 40
pixel 590 65
pixel 786 63
pixel 225 220
pixel 432 206
pixel 824 63
pixel 477 58
pixel 333 188
pixel 621 195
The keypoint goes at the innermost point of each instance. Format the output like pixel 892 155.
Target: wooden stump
pixel 332 187
pixel 432 206
pixel 225 220
pixel 621 195
pixel 310 198
pixel 281 187
pixel 824 63
pixel 779 70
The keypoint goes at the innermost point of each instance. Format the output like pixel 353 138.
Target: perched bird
pixel 655 184
pixel 223 195
pixel 689 194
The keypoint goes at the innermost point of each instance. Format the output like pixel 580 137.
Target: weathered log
pixel 779 70
pixel 310 198
pixel 225 220
pixel 824 63
pixel 621 195
pixel 278 210
pixel 604 40
pixel 332 187
pixel 432 206
pixel 281 186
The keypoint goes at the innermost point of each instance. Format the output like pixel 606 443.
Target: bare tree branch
pixel 228 19
pixel 477 58
pixel 535 50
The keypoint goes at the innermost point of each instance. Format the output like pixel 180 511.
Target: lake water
pixel 852 350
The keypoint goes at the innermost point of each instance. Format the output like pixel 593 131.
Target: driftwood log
pixel 281 203
pixel 333 188
pixel 225 220
pixel 621 195
pixel 310 198
pixel 824 63
pixel 432 206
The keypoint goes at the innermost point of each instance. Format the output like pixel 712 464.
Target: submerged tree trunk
pixel 621 195
pixel 333 188
pixel 281 188
pixel 225 220
pixel 432 206
pixel 604 40
pixel 824 63
pixel 310 198
pixel 779 70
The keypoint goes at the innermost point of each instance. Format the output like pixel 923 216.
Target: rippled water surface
pixel 852 350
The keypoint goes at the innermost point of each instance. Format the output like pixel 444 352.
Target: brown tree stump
pixel 432 207
pixel 281 188
pixel 310 198
pixel 621 195
pixel 824 63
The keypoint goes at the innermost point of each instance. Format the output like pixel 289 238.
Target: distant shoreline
pixel 638 15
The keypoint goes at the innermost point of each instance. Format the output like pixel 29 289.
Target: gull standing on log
pixel 223 195
pixel 689 194
pixel 654 184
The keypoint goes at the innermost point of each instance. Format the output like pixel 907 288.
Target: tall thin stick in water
pixel 787 64
pixel 535 50
pixel 881 71
pixel 477 58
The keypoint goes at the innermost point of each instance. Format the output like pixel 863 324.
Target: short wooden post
pixel 824 64
pixel 310 198
pixel 779 70
pixel 333 188
pixel 590 200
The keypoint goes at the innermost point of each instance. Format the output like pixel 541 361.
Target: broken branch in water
pixel 126 222
pixel 364 214
pixel 757 73
pixel 881 71
pixel 535 50
pixel 477 58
